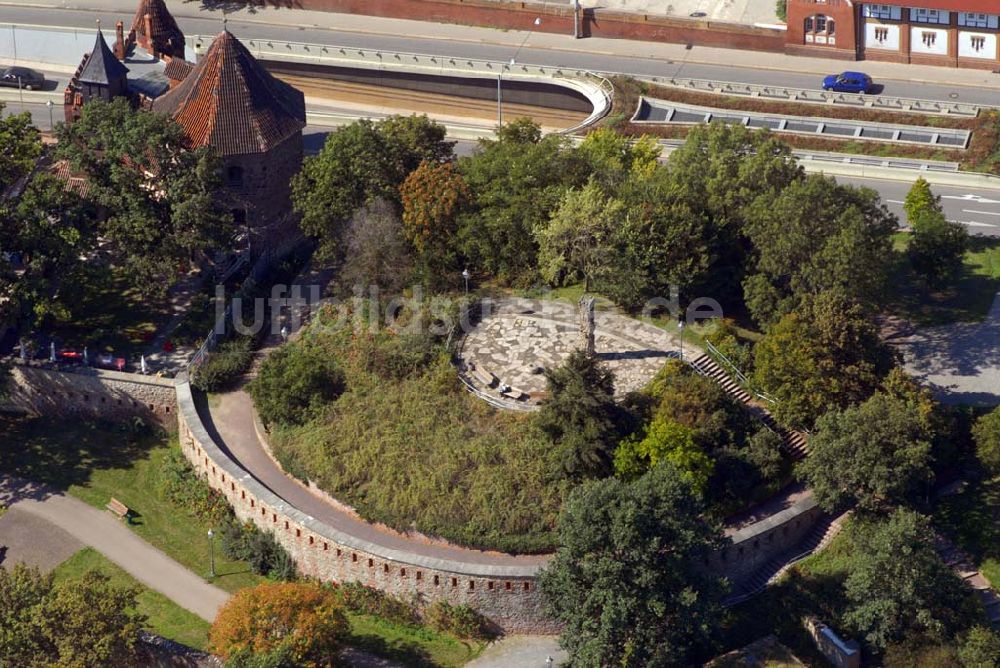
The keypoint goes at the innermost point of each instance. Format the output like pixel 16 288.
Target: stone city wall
pixel 558 18
pixel 508 595
pixel 93 393
pixel 754 545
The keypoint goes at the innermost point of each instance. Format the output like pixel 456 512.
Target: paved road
pixel 111 538
pixel 639 58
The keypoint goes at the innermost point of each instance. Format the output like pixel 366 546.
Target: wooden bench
pixel 516 394
pixel 485 377
pixel 119 509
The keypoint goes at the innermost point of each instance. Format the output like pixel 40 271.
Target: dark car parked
pixel 29 78
pixel 848 82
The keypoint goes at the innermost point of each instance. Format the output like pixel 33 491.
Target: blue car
pixel 848 82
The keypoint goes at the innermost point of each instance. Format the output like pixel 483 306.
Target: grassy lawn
pixel 969 300
pixel 972 519
pixel 95 462
pixel 165 617
pixel 410 645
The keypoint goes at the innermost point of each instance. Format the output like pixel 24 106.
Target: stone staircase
pixel 796 442
pixel 818 538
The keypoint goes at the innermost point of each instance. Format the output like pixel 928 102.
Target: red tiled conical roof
pixel 229 101
pixel 166 36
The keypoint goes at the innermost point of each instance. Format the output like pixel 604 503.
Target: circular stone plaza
pixel 503 357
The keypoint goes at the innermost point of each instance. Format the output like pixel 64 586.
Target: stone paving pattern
pixel 518 338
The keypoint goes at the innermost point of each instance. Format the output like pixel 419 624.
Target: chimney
pixel 120 43
pixel 147 22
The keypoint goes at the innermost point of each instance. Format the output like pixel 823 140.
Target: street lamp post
pixel 52 125
pixel 20 93
pixel 576 19
pixel 537 22
pixel 211 550
pixel 466 275
pixel 680 331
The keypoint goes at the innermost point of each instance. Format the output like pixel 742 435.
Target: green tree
pixel 937 248
pixel 826 354
pixel 580 415
pixel 22 147
pixel 873 455
pixel 161 199
pixel 980 648
pixel 718 173
pixel 814 236
pixel 53 233
pixel 898 585
pixel 920 200
pixel 358 163
pixel 986 433
pixel 627 579
pixel 576 242
pixel 664 440
pixel 614 157
pixel 294 383
pixel 517 181
pixel 660 242
pixel 84 623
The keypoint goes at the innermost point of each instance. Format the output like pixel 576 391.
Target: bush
pixel 986 433
pixel 182 487
pixel 295 383
pixel 245 542
pixel 458 620
pixel 304 620
pixel 224 366
pixel 980 648
pixel 781 9
pixel 364 600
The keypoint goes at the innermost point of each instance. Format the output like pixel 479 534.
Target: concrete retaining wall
pixel 94 393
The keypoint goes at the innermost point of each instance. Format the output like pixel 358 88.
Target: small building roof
pixel 229 101
pixel 102 67
pixel 164 30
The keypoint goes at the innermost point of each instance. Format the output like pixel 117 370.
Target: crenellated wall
pixel 508 595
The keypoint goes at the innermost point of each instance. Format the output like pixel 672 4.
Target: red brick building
pixel 956 33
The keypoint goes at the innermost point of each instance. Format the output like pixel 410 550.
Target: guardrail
pixel 592 85
pixel 812 96
pixel 664 112
pixel 735 372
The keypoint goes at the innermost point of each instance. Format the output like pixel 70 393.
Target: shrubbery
pixel 295 383
pixel 182 487
pixel 459 620
pixel 224 366
pixel 364 600
pixel 245 542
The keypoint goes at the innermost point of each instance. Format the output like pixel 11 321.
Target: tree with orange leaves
pixel 298 620
pixel 434 195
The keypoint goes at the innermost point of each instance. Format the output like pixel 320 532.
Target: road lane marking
pixel 979 199
pixel 983 213
pixel 973 223
pixel 895 201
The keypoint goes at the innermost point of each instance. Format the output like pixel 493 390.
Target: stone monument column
pixel 587 325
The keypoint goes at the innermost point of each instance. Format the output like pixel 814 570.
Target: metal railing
pixel 813 96
pixel 730 367
pixel 593 85
pixel 663 112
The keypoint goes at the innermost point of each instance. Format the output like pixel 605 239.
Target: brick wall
pixel 265 179
pixel 557 18
pixel 94 393
pixel 508 595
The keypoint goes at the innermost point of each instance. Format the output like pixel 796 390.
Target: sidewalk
pixel 312 21
pixel 114 540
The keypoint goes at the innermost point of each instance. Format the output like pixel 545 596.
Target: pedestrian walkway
pixel 114 540
pixel 523 652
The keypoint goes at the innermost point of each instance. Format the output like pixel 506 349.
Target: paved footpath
pixel 113 539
